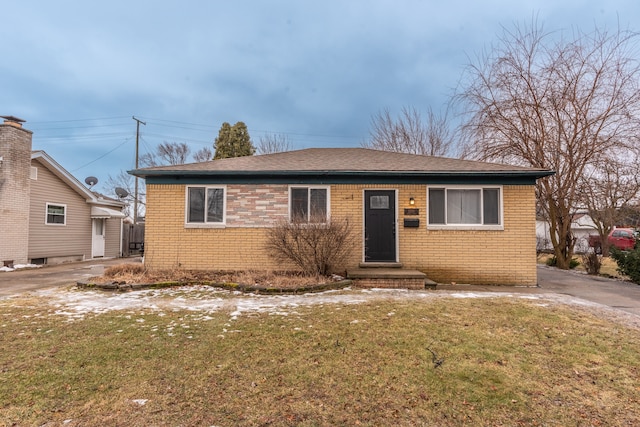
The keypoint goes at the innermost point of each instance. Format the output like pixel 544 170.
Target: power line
pixel 80 120
pixel 102 156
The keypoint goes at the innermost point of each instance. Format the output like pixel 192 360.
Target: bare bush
pixel 592 262
pixel 316 247
pixel 124 269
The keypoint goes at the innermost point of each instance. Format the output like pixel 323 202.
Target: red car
pixel 621 238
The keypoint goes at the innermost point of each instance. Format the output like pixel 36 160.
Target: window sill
pixel 466 227
pixel 191 225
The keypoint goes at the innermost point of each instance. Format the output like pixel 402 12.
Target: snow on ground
pixel 19 267
pixel 203 300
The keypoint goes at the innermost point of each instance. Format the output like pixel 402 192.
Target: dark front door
pixel 380 225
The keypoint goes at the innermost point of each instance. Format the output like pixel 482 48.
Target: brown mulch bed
pixel 134 276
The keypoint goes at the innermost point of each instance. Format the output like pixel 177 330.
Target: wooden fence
pixel 132 239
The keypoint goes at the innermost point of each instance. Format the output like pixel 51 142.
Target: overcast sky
pixel 77 71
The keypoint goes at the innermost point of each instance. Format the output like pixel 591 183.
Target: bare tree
pixel 410 132
pixel 167 153
pixel 610 190
pixel 554 103
pixel 273 143
pixel 203 155
pixel 126 182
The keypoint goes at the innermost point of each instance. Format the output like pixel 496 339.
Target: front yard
pixel 205 357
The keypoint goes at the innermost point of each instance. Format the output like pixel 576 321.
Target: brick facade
pixel 15 168
pixel 504 257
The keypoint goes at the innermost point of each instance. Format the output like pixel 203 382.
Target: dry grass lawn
pixel 440 361
pixel 609 266
pixel 136 273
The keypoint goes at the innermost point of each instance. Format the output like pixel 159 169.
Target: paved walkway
pixel 14 282
pixel 613 293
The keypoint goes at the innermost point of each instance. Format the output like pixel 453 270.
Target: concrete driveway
pixel 14 282
pixel 614 293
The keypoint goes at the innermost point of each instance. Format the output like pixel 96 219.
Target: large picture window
pixel 205 205
pixel 56 214
pixel 468 206
pixel 309 204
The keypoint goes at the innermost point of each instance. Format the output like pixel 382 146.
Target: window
pixel 205 205
pixel 56 214
pixel 468 206
pixel 309 204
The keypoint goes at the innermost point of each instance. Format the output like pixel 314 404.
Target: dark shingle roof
pixel 338 160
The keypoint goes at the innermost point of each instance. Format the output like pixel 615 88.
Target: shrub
pixel 592 262
pixel 628 263
pixel 317 248
pixel 124 269
pixel 553 261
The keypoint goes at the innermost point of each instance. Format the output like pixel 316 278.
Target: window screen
pixel 309 204
pixel 55 214
pixel 205 205
pixel 464 206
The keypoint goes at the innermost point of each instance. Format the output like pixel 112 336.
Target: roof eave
pixel 142 173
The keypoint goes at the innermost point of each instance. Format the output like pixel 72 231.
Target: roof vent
pixel 13 121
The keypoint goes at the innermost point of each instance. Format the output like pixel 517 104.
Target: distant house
pixel 453 220
pixel 47 215
pixel 582 226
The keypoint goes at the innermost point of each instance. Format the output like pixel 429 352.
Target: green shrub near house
pixel 628 263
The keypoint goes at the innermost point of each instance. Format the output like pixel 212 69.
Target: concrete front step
pixel 380 265
pixel 396 278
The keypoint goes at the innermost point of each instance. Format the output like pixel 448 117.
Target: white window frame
pixel 310 187
pixel 481 226
pixel 205 224
pixel 64 216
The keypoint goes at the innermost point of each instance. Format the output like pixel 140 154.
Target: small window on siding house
pixel 56 214
pixel 465 207
pixel 34 173
pixel 309 204
pixel 205 205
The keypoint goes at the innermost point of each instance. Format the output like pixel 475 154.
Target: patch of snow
pixel 19 267
pixel 203 301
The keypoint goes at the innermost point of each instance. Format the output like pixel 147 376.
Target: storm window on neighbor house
pixel 473 206
pixel 309 204
pixel 205 205
pixel 56 214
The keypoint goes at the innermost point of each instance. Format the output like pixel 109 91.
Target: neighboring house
pixel 582 226
pixel 455 220
pixel 47 215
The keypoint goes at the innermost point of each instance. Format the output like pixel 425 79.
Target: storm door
pixel 380 225
pixel 98 239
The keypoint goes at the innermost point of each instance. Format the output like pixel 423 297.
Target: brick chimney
pixel 15 184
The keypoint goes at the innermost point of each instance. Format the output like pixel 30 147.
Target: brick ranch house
pixel 453 220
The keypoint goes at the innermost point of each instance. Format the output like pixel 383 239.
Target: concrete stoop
pixel 390 277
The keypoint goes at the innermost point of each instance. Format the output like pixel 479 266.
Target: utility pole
pixel 135 198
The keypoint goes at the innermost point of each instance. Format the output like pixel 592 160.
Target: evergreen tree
pixel 233 141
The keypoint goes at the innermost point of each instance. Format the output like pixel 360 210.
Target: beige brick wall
pixel 15 149
pixel 463 256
